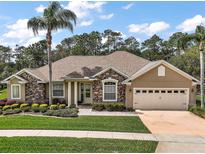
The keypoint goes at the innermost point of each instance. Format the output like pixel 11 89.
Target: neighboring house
pixel 118 77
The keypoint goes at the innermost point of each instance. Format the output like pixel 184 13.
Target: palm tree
pixel 54 18
pixel 199 39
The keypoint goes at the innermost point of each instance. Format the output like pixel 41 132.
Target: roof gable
pixel 153 65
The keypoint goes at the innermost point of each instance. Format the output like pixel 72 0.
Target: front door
pixel 87 93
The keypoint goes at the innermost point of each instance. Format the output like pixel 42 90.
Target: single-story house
pixel 117 77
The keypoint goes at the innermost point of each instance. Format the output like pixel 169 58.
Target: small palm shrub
pixel 15 111
pixel 25 107
pixel 14 106
pixel 43 108
pixel 54 107
pixel 62 106
pixel 6 107
pixel 35 107
pixel 70 112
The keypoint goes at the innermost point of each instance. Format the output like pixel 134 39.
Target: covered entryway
pixel 161 98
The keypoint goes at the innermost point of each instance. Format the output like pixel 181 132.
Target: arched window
pixel 109 90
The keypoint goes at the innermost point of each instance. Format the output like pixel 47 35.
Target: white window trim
pixel 63 90
pixel 12 85
pixel 110 80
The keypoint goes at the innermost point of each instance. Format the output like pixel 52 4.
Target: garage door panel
pixel 169 99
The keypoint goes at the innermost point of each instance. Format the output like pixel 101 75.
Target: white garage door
pixel 161 98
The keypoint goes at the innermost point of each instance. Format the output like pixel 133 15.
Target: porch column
pixel 76 93
pixel 79 91
pixel 69 93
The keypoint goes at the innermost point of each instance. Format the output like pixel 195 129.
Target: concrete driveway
pixel 173 122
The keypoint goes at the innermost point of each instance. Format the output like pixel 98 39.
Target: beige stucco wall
pixel 16 81
pixel 151 80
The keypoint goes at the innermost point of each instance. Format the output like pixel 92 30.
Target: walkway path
pixel 89 112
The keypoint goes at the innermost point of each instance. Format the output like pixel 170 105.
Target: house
pixel 117 77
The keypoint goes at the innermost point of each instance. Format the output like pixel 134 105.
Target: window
pixel 15 91
pixel 161 71
pixel 150 91
pixel 137 91
pixel 169 91
pixel 109 90
pixel 58 90
pixel 156 91
pixel 175 91
pixel 144 91
pixel 163 91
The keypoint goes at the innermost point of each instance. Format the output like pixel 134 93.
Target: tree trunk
pixel 49 42
pixel 201 73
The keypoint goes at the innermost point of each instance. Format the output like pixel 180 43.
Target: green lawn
pixel 97 123
pixel 3 94
pixel 73 145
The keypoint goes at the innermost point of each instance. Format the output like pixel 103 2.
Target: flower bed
pixel 8 107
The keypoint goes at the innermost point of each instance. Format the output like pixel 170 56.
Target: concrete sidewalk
pixel 89 112
pixel 78 134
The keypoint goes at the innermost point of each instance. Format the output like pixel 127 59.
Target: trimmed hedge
pixel 14 106
pixel 108 107
pixel 43 108
pixel 35 107
pixel 25 107
pixel 54 107
pixel 6 107
pixel 62 106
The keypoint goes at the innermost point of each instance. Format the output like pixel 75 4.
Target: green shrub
pixel 54 107
pixel 197 110
pixel 25 107
pixel 6 107
pixel 15 111
pixel 130 109
pixel 43 108
pixel 98 107
pixel 115 107
pixel 108 106
pixel 62 106
pixel 14 106
pixel 72 106
pixel 1 107
pixel 35 107
pixel 72 112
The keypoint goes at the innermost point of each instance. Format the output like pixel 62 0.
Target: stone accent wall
pixel 98 86
pixel 33 91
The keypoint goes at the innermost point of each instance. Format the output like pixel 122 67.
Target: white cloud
pixel 86 23
pixel 40 9
pixel 83 8
pixel 107 17
pixel 190 24
pixel 127 7
pixel 19 30
pixel 148 29
pixel 32 41
pixel 18 33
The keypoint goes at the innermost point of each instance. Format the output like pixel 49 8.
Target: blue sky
pixel 139 19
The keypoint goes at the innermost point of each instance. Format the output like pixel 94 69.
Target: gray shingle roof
pixel 87 66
